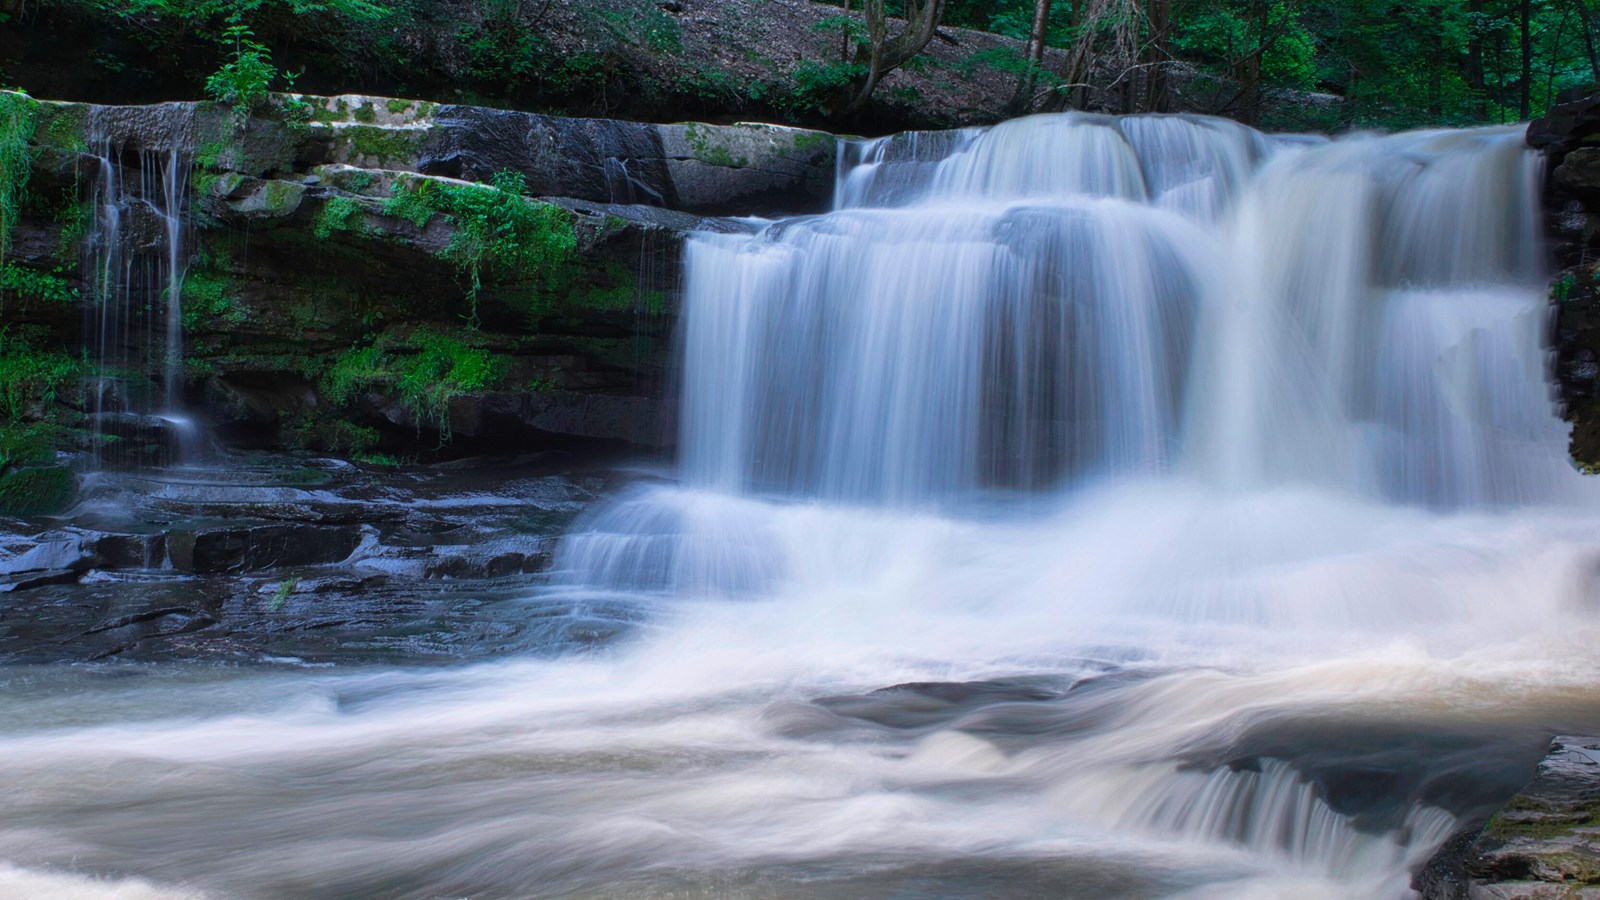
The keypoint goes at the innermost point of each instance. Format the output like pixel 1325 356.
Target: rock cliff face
pixel 352 281
pixel 1569 138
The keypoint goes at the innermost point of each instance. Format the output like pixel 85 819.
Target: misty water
pixel 1085 507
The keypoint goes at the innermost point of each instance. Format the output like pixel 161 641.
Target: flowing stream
pixel 1086 507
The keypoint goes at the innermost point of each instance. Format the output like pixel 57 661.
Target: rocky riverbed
pixel 302 560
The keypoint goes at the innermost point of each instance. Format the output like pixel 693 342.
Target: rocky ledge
pixel 371 275
pixel 304 561
pixel 1544 844
pixel 1569 139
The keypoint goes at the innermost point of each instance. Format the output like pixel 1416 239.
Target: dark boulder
pixel 236 549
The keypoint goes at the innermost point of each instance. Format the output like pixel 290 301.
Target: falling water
pixel 1086 507
pixel 137 254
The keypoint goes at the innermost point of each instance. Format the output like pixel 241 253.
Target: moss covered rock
pixel 37 491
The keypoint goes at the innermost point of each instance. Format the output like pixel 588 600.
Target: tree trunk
pixel 1585 23
pixel 844 36
pixel 1157 96
pixel 1034 54
pixel 1474 73
pixel 1525 95
pixel 883 54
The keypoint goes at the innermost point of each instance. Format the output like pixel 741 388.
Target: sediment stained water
pixel 1087 507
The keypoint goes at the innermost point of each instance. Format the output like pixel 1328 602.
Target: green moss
pixel 211 302
pixel 25 444
pixel 385 145
pixel 282 198
pixel 398 107
pixel 37 491
pixel 338 214
pixel 366 114
pixel 62 127
pixel 426 371
pixel 805 141
pixel 711 146
pixel 75 218
pixel 1527 818
pixel 499 233
pixel 31 378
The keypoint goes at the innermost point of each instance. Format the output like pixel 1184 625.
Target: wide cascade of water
pixel 1086 507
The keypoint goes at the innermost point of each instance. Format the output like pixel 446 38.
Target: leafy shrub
pixel 243 82
pixel 499 233
pixel 18 118
pixel 338 214
pixel 33 285
pixel 31 378
pixel 426 371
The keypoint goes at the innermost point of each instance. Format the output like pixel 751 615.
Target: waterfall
pixel 1088 507
pixel 136 252
pixel 1066 298
pixel 1267 379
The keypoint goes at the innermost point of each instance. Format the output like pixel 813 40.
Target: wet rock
pixel 128 551
pixel 635 420
pixel 56 551
pixel 744 169
pixel 1544 844
pixel 259 199
pixel 25 580
pixel 749 168
pixel 238 549
pixel 1579 170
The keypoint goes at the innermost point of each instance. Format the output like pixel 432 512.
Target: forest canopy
pixel 1333 64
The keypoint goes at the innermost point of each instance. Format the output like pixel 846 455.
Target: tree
pixel 879 54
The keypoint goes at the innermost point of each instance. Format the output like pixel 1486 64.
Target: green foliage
pixel 36 491
pixel 338 214
pixel 243 82
pixel 201 11
pixel 499 233
pixel 211 302
pixel 18 118
pixel 644 25
pixel 281 592
pixel 819 86
pixel 425 371
pixel 502 48
pixel 34 286
pixel 1226 35
pixel 31 379
pixel 398 107
pixel 1011 62
pixel 24 444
